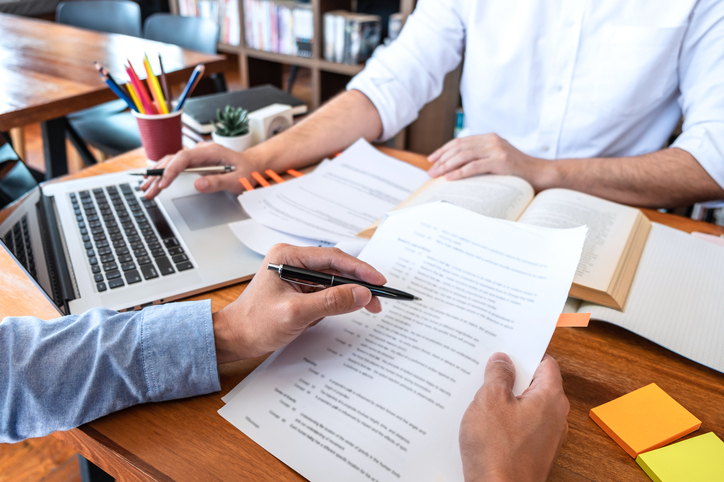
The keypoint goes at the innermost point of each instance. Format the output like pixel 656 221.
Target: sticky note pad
pixel 698 459
pixel 645 419
pixel 573 320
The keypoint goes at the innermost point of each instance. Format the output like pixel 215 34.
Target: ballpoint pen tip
pixel 417 298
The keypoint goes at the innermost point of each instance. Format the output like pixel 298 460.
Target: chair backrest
pixel 111 16
pixel 191 33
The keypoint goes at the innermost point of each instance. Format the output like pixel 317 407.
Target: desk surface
pixel 46 69
pixel 188 440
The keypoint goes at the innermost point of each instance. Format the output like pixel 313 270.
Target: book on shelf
pixel 283 27
pixel 615 241
pixel 200 112
pixel 350 38
pixel 224 13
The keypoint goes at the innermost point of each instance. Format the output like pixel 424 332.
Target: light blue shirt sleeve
pixel 62 373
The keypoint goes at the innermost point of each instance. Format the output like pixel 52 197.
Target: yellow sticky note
pixel 645 419
pixel 579 320
pixel 699 459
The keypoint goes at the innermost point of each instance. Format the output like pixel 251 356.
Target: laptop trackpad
pixel 201 211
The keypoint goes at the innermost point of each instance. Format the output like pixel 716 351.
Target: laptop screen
pixel 15 177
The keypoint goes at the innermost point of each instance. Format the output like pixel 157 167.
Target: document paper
pixel 351 193
pixel 365 397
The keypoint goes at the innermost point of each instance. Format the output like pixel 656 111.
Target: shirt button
pixel 558 88
pixel 544 148
pixel 569 23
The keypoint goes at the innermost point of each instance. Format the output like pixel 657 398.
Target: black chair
pixel 111 16
pixel 118 133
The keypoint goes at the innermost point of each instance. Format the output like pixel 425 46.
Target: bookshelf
pixel 433 128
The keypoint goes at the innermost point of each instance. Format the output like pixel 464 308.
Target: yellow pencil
pixel 155 85
pixel 134 96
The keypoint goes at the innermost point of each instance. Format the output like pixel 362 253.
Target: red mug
pixel 160 134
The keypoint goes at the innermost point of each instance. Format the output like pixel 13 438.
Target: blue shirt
pixel 62 373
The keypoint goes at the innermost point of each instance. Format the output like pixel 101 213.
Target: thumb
pixel 500 373
pixel 219 182
pixel 333 301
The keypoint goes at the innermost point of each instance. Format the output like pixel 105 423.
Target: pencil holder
pixel 160 134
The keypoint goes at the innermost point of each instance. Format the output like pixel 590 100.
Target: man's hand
pixel 486 154
pixel 204 154
pixel 271 312
pixel 504 437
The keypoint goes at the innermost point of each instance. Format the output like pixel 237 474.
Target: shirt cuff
pixel 706 143
pixel 178 350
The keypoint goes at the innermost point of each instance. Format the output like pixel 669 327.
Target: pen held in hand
pixel 200 170
pixel 315 279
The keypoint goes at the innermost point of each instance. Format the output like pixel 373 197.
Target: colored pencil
pixel 140 90
pixel 190 86
pixel 154 86
pixel 108 79
pixel 134 96
pixel 164 82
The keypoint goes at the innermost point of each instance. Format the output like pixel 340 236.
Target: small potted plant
pixel 232 128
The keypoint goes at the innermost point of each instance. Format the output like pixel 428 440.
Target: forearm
pixel 329 130
pixel 666 178
pixel 58 374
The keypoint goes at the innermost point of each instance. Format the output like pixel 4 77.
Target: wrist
pixel 229 345
pixel 549 175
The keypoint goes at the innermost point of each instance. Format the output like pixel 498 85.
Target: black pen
pixel 202 170
pixel 317 279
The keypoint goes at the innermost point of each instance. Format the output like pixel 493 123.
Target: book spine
pixel 330 22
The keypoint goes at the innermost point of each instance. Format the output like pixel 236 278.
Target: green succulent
pixel 232 121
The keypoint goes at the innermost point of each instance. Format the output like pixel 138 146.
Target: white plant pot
pixel 237 143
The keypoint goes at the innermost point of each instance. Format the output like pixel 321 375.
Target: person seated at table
pixel 61 373
pixel 599 87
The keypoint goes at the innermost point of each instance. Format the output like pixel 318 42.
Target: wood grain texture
pixel 44 458
pixel 46 69
pixel 188 440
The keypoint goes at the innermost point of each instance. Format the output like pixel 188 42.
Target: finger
pixel 326 259
pixel 333 301
pixel 499 375
pixel 438 168
pixel 547 376
pixel 474 168
pixel 219 182
pixel 159 165
pixel 435 156
pixel 201 155
pixel 374 305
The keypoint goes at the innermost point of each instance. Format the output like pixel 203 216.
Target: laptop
pixel 96 241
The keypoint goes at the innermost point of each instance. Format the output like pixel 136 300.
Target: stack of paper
pixel 332 204
pixel 364 397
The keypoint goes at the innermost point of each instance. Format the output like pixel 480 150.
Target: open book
pixel 616 238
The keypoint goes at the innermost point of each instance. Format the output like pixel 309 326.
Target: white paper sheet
pixel 260 239
pixel 364 397
pixel 349 194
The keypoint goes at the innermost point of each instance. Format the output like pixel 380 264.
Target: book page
pixel 364 397
pixel 677 297
pixel 350 193
pixel 609 225
pixel 502 197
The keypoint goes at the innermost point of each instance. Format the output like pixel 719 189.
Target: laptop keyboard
pixel 127 239
pixel 18 242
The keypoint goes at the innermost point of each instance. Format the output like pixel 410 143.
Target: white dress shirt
pixel 564 78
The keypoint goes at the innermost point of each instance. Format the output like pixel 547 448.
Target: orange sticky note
pixel 247 185
pixel 573 320
pixel 645 419
pixel 274 176
pixel 262 182
pixel 295 173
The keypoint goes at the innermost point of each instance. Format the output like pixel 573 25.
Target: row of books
pixel 224 12
pixel 350 38
pixel 279 26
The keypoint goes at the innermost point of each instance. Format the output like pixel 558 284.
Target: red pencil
pixel 140 90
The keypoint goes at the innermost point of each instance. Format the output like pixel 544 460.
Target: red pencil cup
pixel 160 134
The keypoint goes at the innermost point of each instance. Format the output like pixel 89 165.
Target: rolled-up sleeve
pixel 401 78
pixel 58 374
pixel 701 80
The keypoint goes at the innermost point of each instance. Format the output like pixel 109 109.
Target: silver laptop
pixel 97 242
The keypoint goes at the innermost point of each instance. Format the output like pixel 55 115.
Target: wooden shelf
pixel 228 49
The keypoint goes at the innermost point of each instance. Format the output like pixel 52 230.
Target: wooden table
pixel 47 72
pixel 188 440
